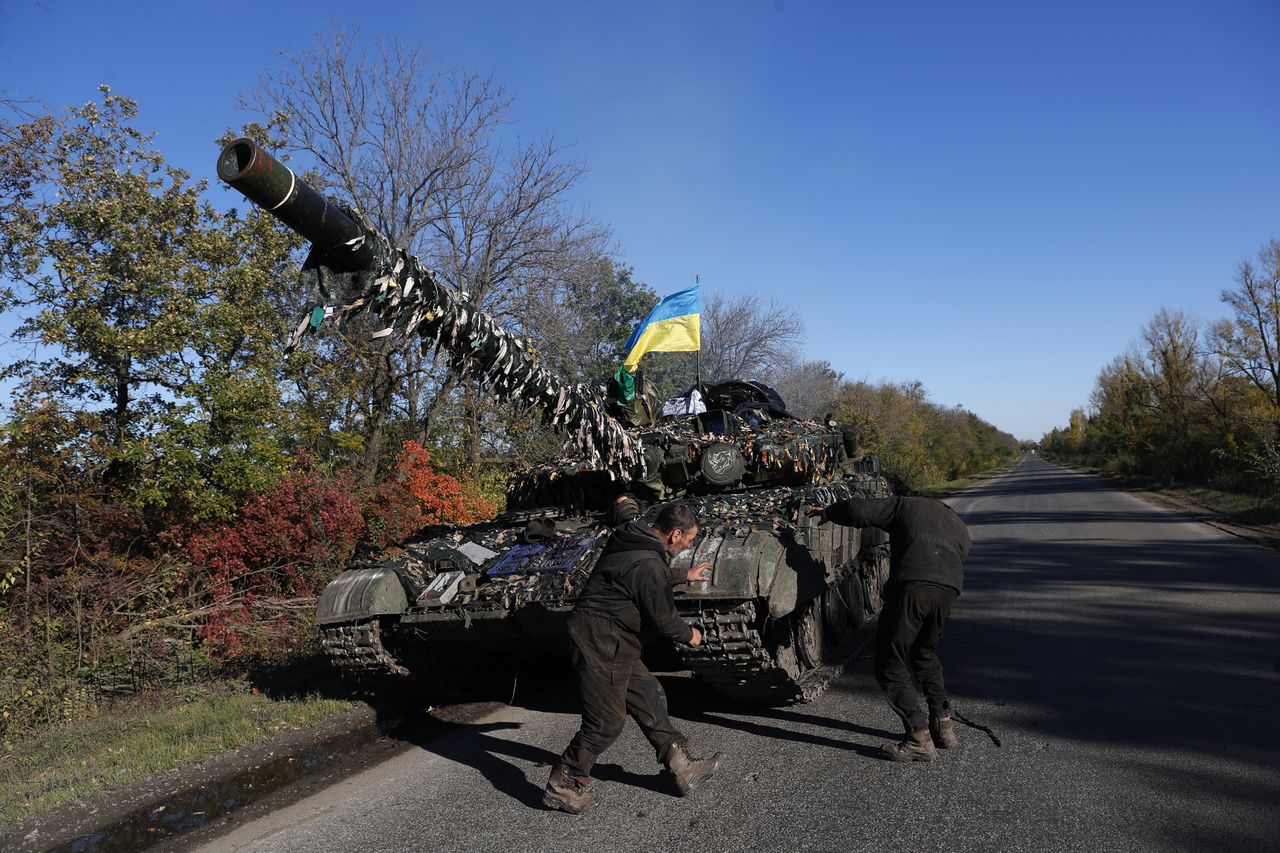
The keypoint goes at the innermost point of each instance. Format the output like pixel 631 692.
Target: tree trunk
pixel 26 563
pixel 121 403
pixel 438 402
pixel 380 405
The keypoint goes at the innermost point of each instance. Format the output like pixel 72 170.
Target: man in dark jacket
pixel 629 591
pixel 928 544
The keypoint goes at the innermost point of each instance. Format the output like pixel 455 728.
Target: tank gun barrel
pixel 246 166
pixel 356 270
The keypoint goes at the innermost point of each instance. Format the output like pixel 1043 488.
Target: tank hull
pixel 785 604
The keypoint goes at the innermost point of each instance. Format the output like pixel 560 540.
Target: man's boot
pixel 687 771
pixel 943 730
pixel 568 793
pixel 917 747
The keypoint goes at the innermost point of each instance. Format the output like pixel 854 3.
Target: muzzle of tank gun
pixel 275 188
pixel 849 437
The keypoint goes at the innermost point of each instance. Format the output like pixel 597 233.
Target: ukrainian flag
pixel 674 325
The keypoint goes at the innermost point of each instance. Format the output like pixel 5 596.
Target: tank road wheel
pixel 838 621
pixel 810 637
pixel 358 652
pixel 800 640
pixel 855 602
pixel 870 578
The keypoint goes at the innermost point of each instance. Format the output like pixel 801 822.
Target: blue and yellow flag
pixel 674 325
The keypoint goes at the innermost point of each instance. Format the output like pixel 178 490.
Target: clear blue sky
pixel 989 197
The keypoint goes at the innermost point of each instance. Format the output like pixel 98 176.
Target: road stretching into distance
pixel 1126 657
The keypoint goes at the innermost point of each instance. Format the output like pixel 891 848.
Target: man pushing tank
pixel 928 544
pixel 629 591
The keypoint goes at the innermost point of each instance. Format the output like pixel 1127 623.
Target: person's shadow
pixel 499 760
pixel 694 701
pixel 505 762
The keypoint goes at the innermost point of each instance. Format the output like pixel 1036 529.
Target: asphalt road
pixel 1126 658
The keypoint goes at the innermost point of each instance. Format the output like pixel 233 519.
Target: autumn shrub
pixel 443 499
pixel 284 545
pixel 256 577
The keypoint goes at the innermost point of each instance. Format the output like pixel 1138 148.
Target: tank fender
pixel 771 550
pixel 735 564
pixel 360 594
pixel 798 578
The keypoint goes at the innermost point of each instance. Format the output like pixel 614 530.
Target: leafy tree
pixel 23 151
pixel 918 441
pixel 1179 404
pixel 1169 368
pixel 581 328
pixel 1121 402
pixel 141 302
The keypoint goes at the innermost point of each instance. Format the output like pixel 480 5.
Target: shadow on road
pixel 1121 638
pixel 693 701
pixel 475 746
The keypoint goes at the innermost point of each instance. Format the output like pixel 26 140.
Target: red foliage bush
pixel 290 542
pixel 286 543
pixel 443 499
pixel 419 495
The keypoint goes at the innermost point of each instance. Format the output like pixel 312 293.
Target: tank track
pixel 356 649
pixel 734 658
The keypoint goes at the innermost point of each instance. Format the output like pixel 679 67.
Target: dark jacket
pixel 927 540
pixel 631 587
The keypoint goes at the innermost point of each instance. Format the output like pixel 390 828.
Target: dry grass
pixel 146 735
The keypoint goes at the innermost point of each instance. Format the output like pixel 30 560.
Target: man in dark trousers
pixel 629 591
pixel 928 544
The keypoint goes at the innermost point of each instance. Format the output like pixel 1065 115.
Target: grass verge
pixel 950 487
pixel 1242 508
pixel 141 736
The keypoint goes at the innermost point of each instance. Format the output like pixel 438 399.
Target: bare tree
pixel 743 338
pixel 809 388
pixel 424 155
pixel 1169 363
pixel 1249 342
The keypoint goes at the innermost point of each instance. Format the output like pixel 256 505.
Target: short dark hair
pixel 676 517
pixel 622 509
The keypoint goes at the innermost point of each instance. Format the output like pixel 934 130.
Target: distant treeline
pixel 174 492
pixel 1193 403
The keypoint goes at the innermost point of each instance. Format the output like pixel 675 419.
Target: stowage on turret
pixel 785 598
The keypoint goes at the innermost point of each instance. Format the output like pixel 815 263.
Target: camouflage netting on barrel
pixel 408 302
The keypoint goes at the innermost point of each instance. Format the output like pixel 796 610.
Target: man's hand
pixel 696 639
pixel 816 512
pixel 699 573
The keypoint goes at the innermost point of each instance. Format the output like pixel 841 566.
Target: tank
pixel 786 597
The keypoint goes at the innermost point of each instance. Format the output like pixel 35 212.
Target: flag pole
pixel 697 370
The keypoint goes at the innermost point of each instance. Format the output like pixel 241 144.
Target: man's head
pixel 622 509
pixel 677 527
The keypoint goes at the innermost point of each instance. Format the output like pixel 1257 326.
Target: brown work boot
pixel 943 730
pixel 687 771
pixel 568 793
pixel 917 747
